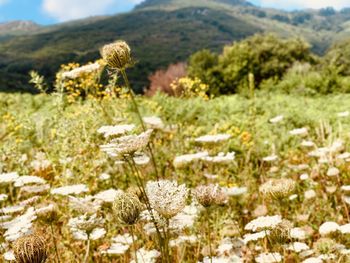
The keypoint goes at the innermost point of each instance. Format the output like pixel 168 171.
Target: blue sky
pixel 54 11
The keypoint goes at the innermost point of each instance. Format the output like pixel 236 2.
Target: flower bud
pixel 117 55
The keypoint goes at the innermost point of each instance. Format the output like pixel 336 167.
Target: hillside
pixel 160 32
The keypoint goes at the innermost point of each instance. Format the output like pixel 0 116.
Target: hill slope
pixel 160 32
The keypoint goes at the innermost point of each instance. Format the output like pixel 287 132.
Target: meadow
pixel 268 182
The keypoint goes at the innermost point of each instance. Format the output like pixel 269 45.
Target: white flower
pixel 301 131
pixel 116 249
pixel 167 197
pixel 9 256
pixel 218 138
pixel 19 226
pixel 235 191
pixel 333 171
pixel 297 233
pixel 343 114
pixel 75 73
pixel 182 239
pixel 313 260
pixel 270 158
pixel 343 156
pixel 183 160
pixel 70 190
pixel 268 258
pixel 125 239
pixel 8 177
pixel 310 194
pixel 345 229
pixel 117 130
pixel 24 180
pixel 298 247
pixel 293 197
pixel 153 122
pixel 127 145
pixel 104 177
pixel 347 199
pixel 277 119
pixel 254 237
pixel 221 158
pixel 3 197
pixel 345 188
pixel 141 159
pixel 12 209
pixel 147 256
pixel 304 177
pixel 107 196
pixel 328 228
pixel 98 233
pixel 263 222
pixel 305 143
pixel 35 189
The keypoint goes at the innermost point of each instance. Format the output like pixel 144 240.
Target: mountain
pixel 160 32
pixel 18 27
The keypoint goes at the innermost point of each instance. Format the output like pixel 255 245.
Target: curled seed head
pixel 127 208
pixel 277 188
pixel 117 55
pixel 325 246
pixel 281 233
pixel 30 249
pixel 208 195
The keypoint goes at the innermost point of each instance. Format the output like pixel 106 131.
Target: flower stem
pixel 54 243
pixel 87 251
pixel 133 242
pixel 209 235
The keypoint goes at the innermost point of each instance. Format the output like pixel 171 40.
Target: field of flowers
pixel 165 179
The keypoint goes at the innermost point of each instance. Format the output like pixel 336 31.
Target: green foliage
pixel 264 56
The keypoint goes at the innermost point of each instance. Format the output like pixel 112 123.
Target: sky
pixel 54 11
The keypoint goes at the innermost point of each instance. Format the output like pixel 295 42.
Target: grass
pixel 67 138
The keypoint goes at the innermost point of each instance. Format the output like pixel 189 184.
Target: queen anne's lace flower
pixel 328 228
pixel 263 222
pixel 127 145
pixel 218 138
pixel 208 195
pixel 70 190
pixel 6 178
pixel 167 197
pixel 183 160
pixel 277 188
pixel 116 130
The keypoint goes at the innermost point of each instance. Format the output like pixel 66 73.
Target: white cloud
pixel 64 10
pixel 299 4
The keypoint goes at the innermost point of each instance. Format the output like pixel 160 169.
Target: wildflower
pixel 117 55
pixel 313 260
pixel 104 177
pixel 83 226
pixel 213 139
pixel 345 229
pixel 30 249
pixel 333 171
pixel 255 236
pixel 182 239
pixel 208 195
pixel 120 244
pixel 117 130
pixel 127 208
pixel 70 189
pixel 305 143
pixel 107 196
pixel 277 119
pixel 301 131
pixel 263 223
pixel 268 258
pixel 167 197
pixel 270 158
pixel 343 114
pixel 12 209
pixel 153 122
pixel 3 197
pixel 20 226
pixel 304 177
pixel 310 194
pixel 84 205
pixel 35 189
pixel 184 160
pixel 328 228
pixel 235 191
pixel 298 247
pixel 6 178
pixel 40 163
pixel 127 145
pixel 141 159
pixel 149 256
pixel 325 245
pixel 9 256
pixel 221 158
pixel 344 156
pixel 24 180
pixel 75 73
pixel 277 188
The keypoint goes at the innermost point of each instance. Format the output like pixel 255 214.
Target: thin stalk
pixel 54 243
pixel 133 242
pixel 209 235
pixel 87 251
pixel 137 110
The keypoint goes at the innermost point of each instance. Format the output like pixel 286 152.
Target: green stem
pixel 54 242
pixel 133 242
pixel 209 235
pixel 87 251
pixel 137 110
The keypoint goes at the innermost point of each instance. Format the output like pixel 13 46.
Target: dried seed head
pixel 281 233
pixel 117 55
pixel 127 208
pixel 277 188
pixel 30 249
pixel 208 195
